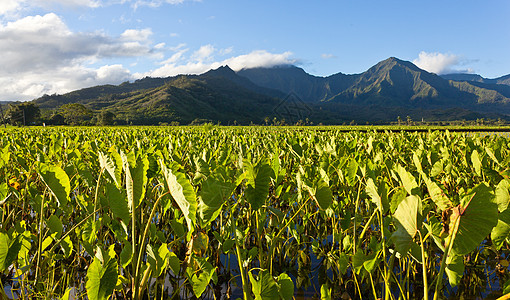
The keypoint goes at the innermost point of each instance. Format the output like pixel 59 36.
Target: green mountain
pixel 505 80
pixel 392 88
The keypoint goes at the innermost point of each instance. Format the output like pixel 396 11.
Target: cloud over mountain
pixel 40 54
pixel 440 63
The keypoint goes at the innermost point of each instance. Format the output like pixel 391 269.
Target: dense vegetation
pixel 258 212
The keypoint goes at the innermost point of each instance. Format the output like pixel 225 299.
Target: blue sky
pixel 55 46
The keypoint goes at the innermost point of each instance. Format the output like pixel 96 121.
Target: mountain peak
pixel 221 71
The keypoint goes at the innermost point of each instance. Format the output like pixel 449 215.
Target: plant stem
pixel 448 248
pixel 40 239
pixel 424 268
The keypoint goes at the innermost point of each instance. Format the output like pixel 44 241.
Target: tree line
pixel 75 114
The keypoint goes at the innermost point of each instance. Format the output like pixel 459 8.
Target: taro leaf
pixel 454 269
pixel 113 165
pixel 67 294
pixel 371 262
pixel 85 173
pixel 286 286
pixel 158 261
pixel 434 228
pixel 200 243
pixel 408 181
pixel 325 292
pixel 5 241
pixel 182 192
pixel 201 277
pixel 101 279
pixel 227 245
pixel 257 186
pixel 491 155
pixel 406 217
pixel 352 170
pixel 213 195
pixel 126 254
pixel 478 214
pixel 343 263
pixel 502 194
pixel 323 195
pixel 477 164
pixel 67 246
pixel 397 197
pixel 502 230
pixel 4 192
pixel 174 263
pixel 358 260
pixel 136 180
pixel 55 225
pixel 437 194
pixel 373 192
pixel 57 181
pixel 117 202
pixel 265 288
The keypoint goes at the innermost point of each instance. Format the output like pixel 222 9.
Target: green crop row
pixel 259 213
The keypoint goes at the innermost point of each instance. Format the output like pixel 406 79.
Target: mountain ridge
pixel 390 88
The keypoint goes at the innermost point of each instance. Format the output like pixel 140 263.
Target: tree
pixel 106 118
pixel 75 113
pixel 22 114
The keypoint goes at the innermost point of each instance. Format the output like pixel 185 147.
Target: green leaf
pixel 325 292
pixel 286 286
pixel 352 170
pixel 454 269
pixel 371 262
pixel 502 230
pixel 408 181
pixel 113 165
pixel 265 288
pixel 200 278
pixel 5 241
pixel 174 263
pixel 126 254
pixel 227 245
pixel 101 279
pixel 67 294
pixel 55 225
pixel 136 180
pixel 358 259
pixel 158 261
pixel 437 194
pixel 67 246
pixel 502 194
pixel 257 186
pixel 373 192
pixel 477 163
pixel 4 192
pixel 213 195
pixel 57 182
pixel 323 195
pixel 117 203
pixel 478 215
pixel 183 194
pixel 406 219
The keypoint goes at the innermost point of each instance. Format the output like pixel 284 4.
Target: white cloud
pixel 40 54
pixel 178 64
pixel 204 53
pixel 158 3
pixel 136 35
pixel 327 56
pixel 440 63
pixel 10 7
